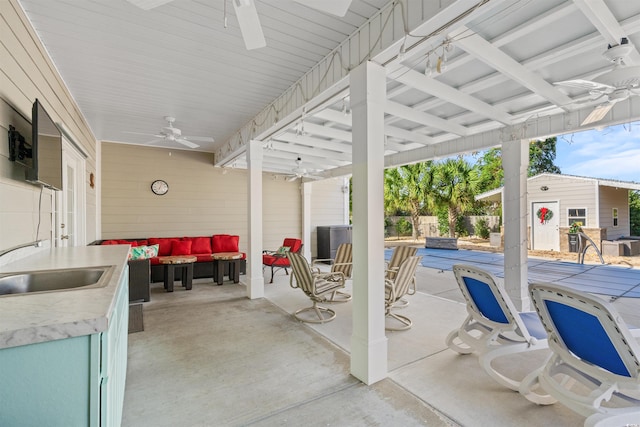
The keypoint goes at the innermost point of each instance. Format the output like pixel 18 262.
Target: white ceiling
pixel 128 68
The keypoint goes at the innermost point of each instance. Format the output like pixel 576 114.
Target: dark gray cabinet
pixel 330 237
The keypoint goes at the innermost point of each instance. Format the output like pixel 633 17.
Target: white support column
pixel 254 278
pixel 368 342
pixel 345 192
pixel 306 219
pixel 515 162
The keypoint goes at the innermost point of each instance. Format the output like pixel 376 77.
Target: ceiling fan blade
pixel 291 178
pixel 584 84
pixel 334 7
pixel 200 138
pixel 148 4
pixel 249 24
pixel 186 143
pixel 598 113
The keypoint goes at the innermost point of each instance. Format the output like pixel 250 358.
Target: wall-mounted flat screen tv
pixel 45 167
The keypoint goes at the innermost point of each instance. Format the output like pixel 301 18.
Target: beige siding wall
pixel 27 73
pixel 614 198
pixel 327 207
pixel 571 193
pixel 202 200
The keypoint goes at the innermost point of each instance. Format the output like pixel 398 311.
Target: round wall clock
pixel 159 187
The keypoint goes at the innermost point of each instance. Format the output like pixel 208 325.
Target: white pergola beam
pixel 340 147
pixel 429 120
pixel 484 51
pixel 440 90
pixel 599 14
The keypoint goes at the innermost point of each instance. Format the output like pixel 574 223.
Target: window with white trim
pixel 614 215
pixel 577 215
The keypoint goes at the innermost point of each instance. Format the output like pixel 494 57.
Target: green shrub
pixel 461 229
pixel 481 228
pixel 443 222
pixel 404 227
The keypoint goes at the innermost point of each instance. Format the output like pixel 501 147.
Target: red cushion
pixel 275 260
pixel 293 244
pixel 199 245
pixel 181 247
pixel 224 243
pixel 165 245
pixel 110 242
pixel 201 257
pixel 142 242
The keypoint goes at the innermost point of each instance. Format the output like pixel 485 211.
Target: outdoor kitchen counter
pixel 39 317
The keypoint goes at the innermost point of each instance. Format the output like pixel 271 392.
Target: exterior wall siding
pixel 614 198
pixel 202 200
pixel 27 73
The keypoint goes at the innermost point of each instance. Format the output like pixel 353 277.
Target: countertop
pixel 47 316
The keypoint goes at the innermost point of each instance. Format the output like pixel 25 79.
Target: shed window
pixel 614 215
pixel 577 215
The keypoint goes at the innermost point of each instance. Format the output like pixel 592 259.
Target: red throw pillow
pixel 217 243
pixel 181 247
pixel 199 245
pixel 230 244
pixel 164 245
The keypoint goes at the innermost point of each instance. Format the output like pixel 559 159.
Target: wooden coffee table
pixel 173 262
pixel 221 260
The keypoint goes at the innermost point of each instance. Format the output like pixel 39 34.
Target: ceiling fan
pixel 612 86
pixel 248 15
pixel 300 172
pixel 170 133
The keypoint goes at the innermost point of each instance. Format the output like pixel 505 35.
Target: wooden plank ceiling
pixel 499 59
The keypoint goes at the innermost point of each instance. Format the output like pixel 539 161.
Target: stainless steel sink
pixel 54 280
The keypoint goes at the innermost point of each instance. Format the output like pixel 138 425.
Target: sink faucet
pixel 36 244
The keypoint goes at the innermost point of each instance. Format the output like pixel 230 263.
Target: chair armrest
pixel 316 261
pixel 336 275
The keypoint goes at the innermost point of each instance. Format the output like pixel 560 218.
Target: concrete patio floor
pixel 212 357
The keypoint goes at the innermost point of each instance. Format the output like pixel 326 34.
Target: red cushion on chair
pixel 293 244
pixel 165 245
pixel 200 245
pixel 181 247
pixel 224 243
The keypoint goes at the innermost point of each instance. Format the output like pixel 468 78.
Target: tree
pixel 405 190
pixel 455 187
pixel 541 157
pixel 542 154
pixel 634 212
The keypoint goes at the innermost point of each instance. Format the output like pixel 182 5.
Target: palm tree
pixel 454 188
pixel 406 188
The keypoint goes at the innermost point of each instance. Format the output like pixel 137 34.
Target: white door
pixel 70 201
pixel 545 227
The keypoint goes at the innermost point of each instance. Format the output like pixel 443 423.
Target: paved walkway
pixel 616 281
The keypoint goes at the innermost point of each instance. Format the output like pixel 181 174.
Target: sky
pixel 610 153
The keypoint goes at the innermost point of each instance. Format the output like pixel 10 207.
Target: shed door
pixel 546 231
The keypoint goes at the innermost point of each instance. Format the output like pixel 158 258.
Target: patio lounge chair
pixel 278 259
pixel 493 327
pixel 316 286
pixel 399 254
pixel 398 287
pixel 594 366
pixel 343 263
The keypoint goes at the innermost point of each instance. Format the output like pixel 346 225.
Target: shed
pixel 555 201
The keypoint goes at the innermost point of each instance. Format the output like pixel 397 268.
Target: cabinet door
pixel 114 358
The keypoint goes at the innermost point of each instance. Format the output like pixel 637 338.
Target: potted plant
pixel 574 229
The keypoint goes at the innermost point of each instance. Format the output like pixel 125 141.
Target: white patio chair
pixel 594 366
pixel 396 288
pixel 494 327
pixel 343 262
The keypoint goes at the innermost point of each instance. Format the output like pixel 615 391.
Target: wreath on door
pixel 544 215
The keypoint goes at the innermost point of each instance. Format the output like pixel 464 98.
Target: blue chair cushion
pixel 583 334
pixel 485 300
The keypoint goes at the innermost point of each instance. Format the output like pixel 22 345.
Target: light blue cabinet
pixel 69 382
